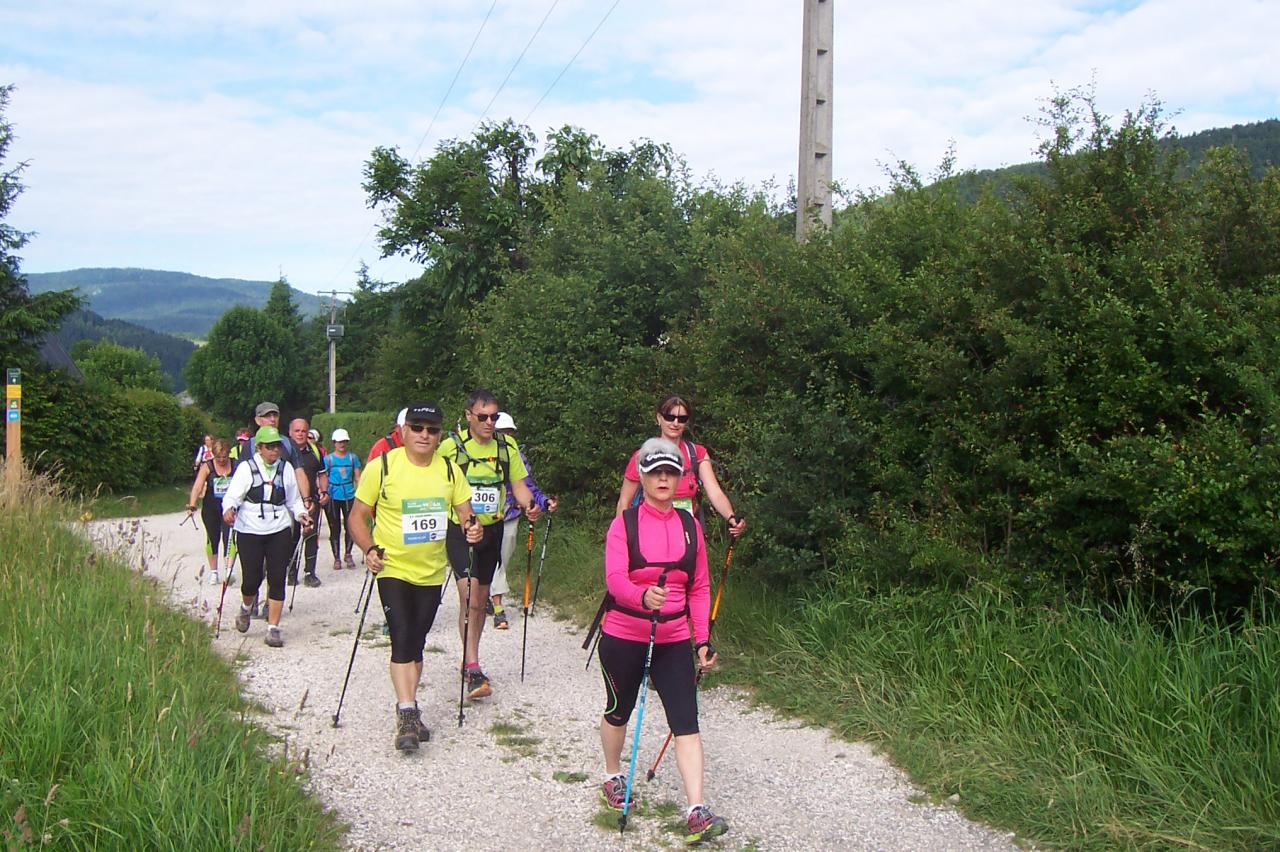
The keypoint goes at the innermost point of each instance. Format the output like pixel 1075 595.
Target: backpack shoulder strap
pixel 692 449
pixel 690 558
pixel 382 486
pixel 631 523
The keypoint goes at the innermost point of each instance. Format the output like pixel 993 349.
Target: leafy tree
pixel 25 320
pixel 462 212
pixel 118 366
pixel 249 357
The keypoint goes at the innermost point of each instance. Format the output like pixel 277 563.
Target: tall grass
pixel 121 729
pixel 1074 725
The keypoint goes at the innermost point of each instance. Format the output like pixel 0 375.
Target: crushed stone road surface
pixel 524 770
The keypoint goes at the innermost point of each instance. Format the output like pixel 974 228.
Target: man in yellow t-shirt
pixel 415 490
pixel 490 464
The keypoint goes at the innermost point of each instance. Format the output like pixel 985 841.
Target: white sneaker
pixel 213 578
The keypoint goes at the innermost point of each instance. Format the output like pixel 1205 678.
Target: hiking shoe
pixel 407 723
pixel 702 825
pixel 337 564
pixel 262 610
pixel 614 790
pixel 488 607
pixel 293 579
pixel 242 620
pixel 500 621
pixel 478 685
pixel 214 579
pixel 311 581
pixel 275 638
pixel 424 733
pixel 351 563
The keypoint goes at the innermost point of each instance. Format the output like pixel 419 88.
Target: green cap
pixel 267 435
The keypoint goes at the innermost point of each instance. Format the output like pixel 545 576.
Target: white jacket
pixel 264 519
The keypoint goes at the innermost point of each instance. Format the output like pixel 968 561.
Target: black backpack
pixel 636 561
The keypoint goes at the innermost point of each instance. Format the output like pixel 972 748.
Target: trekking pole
pixel 542 560
pixel 528 570
pixel 356 643
pixel 217 627
pixel 293 563
pixel 364 583
pixel 192 518
pixel 466 631
pixel 697 679
pixel 644 695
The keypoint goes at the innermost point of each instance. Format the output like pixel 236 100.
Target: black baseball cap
pixel 423 412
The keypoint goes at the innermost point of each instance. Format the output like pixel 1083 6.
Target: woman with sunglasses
pixel 672 417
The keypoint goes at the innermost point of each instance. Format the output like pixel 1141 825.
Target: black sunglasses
pixel 418 427
pixel 675 418
pixel 483 417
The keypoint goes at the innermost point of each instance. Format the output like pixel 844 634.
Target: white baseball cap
pixel 504 421
pixel 340 435
pixel 400 416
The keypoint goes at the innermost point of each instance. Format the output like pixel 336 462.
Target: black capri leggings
pixel 216 531
pixel 338 512
pixel 622 662
pixel 264 554
pixel 488 552
pixel 410 612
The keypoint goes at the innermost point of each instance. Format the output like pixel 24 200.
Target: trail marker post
pixel 13 427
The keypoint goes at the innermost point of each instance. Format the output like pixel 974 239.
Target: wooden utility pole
pixel 813 182
pixel 332 332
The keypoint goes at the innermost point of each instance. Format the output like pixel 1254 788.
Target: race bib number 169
pixel 423 520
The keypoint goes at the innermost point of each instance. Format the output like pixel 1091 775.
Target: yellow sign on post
pixel 13 429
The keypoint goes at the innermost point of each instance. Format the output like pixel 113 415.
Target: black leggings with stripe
pixel 670 673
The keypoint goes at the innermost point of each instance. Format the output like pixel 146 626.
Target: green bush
pixel 364 427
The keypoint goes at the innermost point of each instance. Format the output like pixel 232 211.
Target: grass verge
pixel 158 500
pixel 1071 725
pixel 123 730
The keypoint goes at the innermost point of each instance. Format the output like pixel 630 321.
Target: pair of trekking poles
pixel 466 618
pixel 644 687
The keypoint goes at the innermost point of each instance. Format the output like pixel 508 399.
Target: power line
pixel 452 82
pixel 512 70
pixel 571 61
pixel 431 124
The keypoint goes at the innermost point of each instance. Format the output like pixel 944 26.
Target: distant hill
pixel 171 302
pixel 1260 140
pixel 173 352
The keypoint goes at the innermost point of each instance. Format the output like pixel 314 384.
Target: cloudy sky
pixel 227 138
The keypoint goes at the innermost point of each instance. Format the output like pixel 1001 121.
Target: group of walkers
pixel 426 503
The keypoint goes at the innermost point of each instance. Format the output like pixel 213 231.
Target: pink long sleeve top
pixel 661 536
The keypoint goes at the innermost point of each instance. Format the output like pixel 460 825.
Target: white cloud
pixel 228 138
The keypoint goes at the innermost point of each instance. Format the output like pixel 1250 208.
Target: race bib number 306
pixel 484 499
pixel 423 520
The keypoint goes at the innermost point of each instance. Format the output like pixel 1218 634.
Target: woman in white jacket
pixel 262 502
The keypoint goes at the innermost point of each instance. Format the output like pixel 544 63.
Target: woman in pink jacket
pixel 655 566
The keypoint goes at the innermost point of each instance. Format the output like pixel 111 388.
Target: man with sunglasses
pixel 415 490
pixel 491 464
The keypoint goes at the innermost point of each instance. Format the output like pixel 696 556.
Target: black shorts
pixel 487 553
pixel 670 673
pixel 410 612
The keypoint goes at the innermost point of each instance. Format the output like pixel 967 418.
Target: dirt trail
pixel 524 770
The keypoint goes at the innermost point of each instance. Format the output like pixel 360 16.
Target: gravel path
pixel 524 770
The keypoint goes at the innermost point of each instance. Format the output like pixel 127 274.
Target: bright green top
pixel 412 513
pixel 488 490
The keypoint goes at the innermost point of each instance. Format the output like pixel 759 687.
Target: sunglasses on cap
pixel 483 417
pixel 418 427
pixel 675 418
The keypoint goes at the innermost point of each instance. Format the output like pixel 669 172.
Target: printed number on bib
pixel 423 520
pixel 220 484
pixel 484 499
